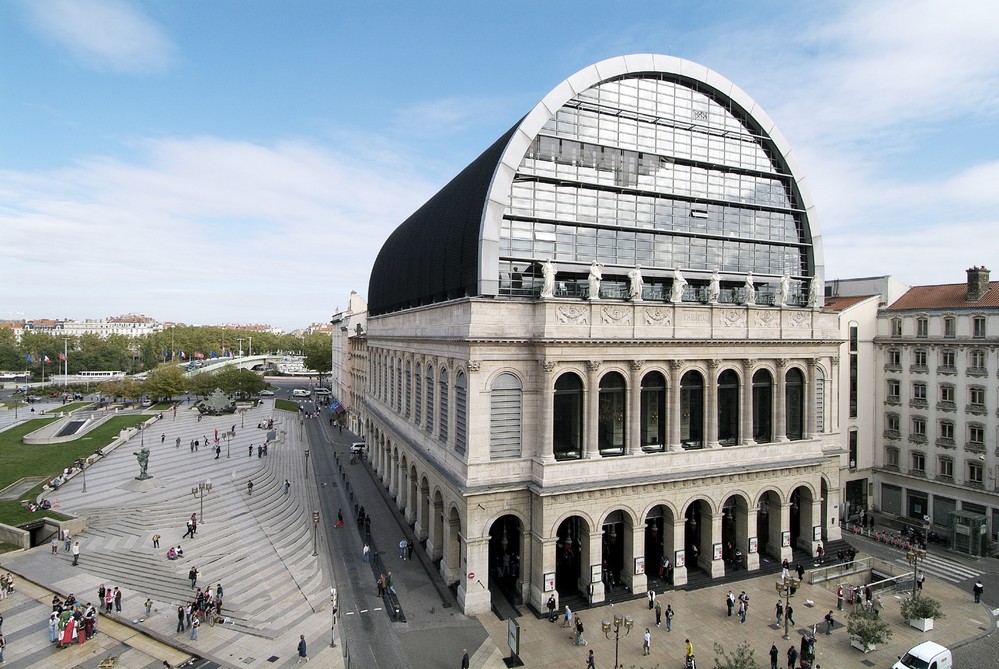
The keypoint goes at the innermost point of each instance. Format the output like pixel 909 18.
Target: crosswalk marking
pixel 952 572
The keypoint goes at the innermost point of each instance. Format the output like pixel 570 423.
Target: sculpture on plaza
pixel 596 274
pixel 636 283
pixel 548 274
pixel 750 289
pixel 142 456
pixel 714 288
pixel 783 288
pixel 676 291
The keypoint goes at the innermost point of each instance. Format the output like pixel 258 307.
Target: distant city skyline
pixel 224 162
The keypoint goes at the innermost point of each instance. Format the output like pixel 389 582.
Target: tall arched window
pixel 391 375
pixel 460 410
pixel 445 405
pixel 567 417
pixel 505 416
pixel 728 408
pixel 430 399
pixel 653 418
pixel 418 403
pixel 409 391
pixel 763 409
pixel 794 403
pixel 611 432
pixel 398 386
pixel 692 410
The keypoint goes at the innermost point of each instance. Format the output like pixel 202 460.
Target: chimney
pixel 978 283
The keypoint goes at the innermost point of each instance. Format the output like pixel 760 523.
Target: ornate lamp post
pixel 315 533
pixel 608 626
pixel 306 464
pixel 333 601
pixel 913 557
pixel 785 589
pixel 199 491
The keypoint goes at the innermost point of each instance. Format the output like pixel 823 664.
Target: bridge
pixel 254 363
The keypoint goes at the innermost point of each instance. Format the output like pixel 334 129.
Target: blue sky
pixel 227 161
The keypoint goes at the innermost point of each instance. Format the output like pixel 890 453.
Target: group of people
pixel 72 621
pixel 739 604
pixel 205 607
pixel 6 584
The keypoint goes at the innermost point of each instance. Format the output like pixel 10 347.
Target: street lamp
pixel 785 589
pixel 333 602
pixel 315 533
pixel 913 557
pixel 607 626
pixel 306 464
pixel 82 464
pixel 199 491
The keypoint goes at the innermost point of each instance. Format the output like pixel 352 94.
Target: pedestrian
pixel 163 438
pixel 195 624
pixel 790 614
pixel 669 617
pixel 651 597
pixel 403 544
pixel 178 438
pixel 53 627
pixel 156 541
pixel 464 652
pixel 920 580
pixel 67 541
pixel 589 661
pixel 659 613
pixel 839 598
pixel 117 600
pixel 339 518
pixel 978 589
pixel 647 642
pixel 249 487
pixel 742 612
pixel 730 602
pixel 409 549
pixel 287 486
pixel 366 552
pixel 149 607
pixel 76 553
pixel 302 649
pixel 820 552
pixel 579 640
pixel 250 453
pixel 800 570
pixel 774 656
pixel 260 451
pixel 829 623
pixel 551 608
pixel 568 617
pixel 188 614
pixel 3 646
pixel 193 575
pixel 55 546
pixel 190 530
pixel 792 657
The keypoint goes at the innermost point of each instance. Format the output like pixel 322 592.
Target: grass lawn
pixel 161 406
pixel 71 406
pixel 286 405
pixel 19 460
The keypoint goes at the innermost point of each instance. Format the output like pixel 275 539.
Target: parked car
pixel 266 393
pixel 927 654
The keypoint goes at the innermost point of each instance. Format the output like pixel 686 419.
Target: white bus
pixel 100 375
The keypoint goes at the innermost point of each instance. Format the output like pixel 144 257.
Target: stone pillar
pixel 748 366
pixel 545 549
pixel 743 532
pixel 832 397
pixel 412 501
pixel 780 399
pixel 393 475
pixel 402 494
pixel 590 560
pixel 421 528
pixel 634 445
pixel 711 405
pixel 806 540
pixel 710 535
pixel 808 392
pixel 473 593
pixel 591 448
pixel 544 447
pixel 673 410
pixel 635 547
pixel 679 573
pixel 786 552
pixel 435 543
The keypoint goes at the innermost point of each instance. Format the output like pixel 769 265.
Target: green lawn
pixel 286 405
pixel 162 406
pixel 19 460
pixel 72 406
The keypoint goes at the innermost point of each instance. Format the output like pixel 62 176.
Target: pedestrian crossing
pixel 944 569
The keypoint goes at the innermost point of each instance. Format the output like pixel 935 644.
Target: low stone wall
pixel 16 536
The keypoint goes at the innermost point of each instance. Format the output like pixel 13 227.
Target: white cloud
pixel 103 34
pixel 203 230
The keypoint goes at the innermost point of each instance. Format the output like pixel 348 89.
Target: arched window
pixel 445 405
pixel 763 409
pixel 567 417
pixel 505 416
pixel 460 409
pixel 418 404
pixel 409 391
pixel 611 432
pixel 728 408
pixel 398 387
pixel 692 410
pixel 391 375
pixel 794 403
pixel 430 399
pixel 653 417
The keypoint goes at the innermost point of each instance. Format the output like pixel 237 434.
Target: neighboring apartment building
pixel 346 325
pixel 602 345
pixel 937 347
pixel 129 325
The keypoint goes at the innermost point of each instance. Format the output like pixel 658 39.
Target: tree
pixel 742 658
pixel 868 627
pixel 318 353
pixel 201 384
pixel 165 381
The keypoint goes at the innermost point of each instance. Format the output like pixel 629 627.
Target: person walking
pixel 190 530
pixel 76 554
pixel 659 613
pixel 67 539
pixel 302 649
pixel 579 640
pixel 800 570
pixel 669 617
pixel 590 661
pixel 792 657
pixel 779 612
pixel 551 608
pixel 403 544
pixel 366 552
pixel 193 575
pixel 287 486
pixel 249 487
pixel 977 590
pixel 790 614
pixel 149 607
pixel 839 598
pixel 568 617
pixel 409 549
pixel 195 624
pixel 742 612
pixel 829 623
pixel 730 602
pixel 647 642
pixel 774 656
pixel 3 646
pixel 464 658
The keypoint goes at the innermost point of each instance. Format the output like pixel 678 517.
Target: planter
pixel 922 624
pixel 857 643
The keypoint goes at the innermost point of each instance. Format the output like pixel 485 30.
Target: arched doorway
pixel 735 532
pixel 571 553
pixel 659 544
pixel 697 535
pixel 768 524
pixel 505 542
pixel 616 538
pixel 801 518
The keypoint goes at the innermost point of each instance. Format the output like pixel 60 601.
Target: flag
pixel 214 355
pixel 198 355
pixel 45 359
pixel 62 356
pixel 164 354
pixel 183 356
pixel 29 359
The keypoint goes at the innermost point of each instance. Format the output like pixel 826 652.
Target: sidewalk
pixel 259 547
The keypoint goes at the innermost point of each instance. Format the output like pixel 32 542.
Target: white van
pixel 299 392
pixel 927 655
pixel 323 392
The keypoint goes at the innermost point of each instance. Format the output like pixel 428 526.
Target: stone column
pixel 833 395
pixel 412 501
pixel 814 518
pixel 393 484
pixel 809 393
pixel 591 448
pixel 780 399
pixel 402 494
pixel 743 532
pixel 713 532
pixel 748 366
pixel 544 447
pixel 711 405
pixel 786 552
pixel 473 592
pixel 634 445
pixel 590 559
pixel 545 549
pixel 679 573
pixel 673 409
pixel 635 547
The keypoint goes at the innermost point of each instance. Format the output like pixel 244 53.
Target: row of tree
pixel 168 381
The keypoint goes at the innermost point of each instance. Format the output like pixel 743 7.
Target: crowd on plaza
pixel 205 607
